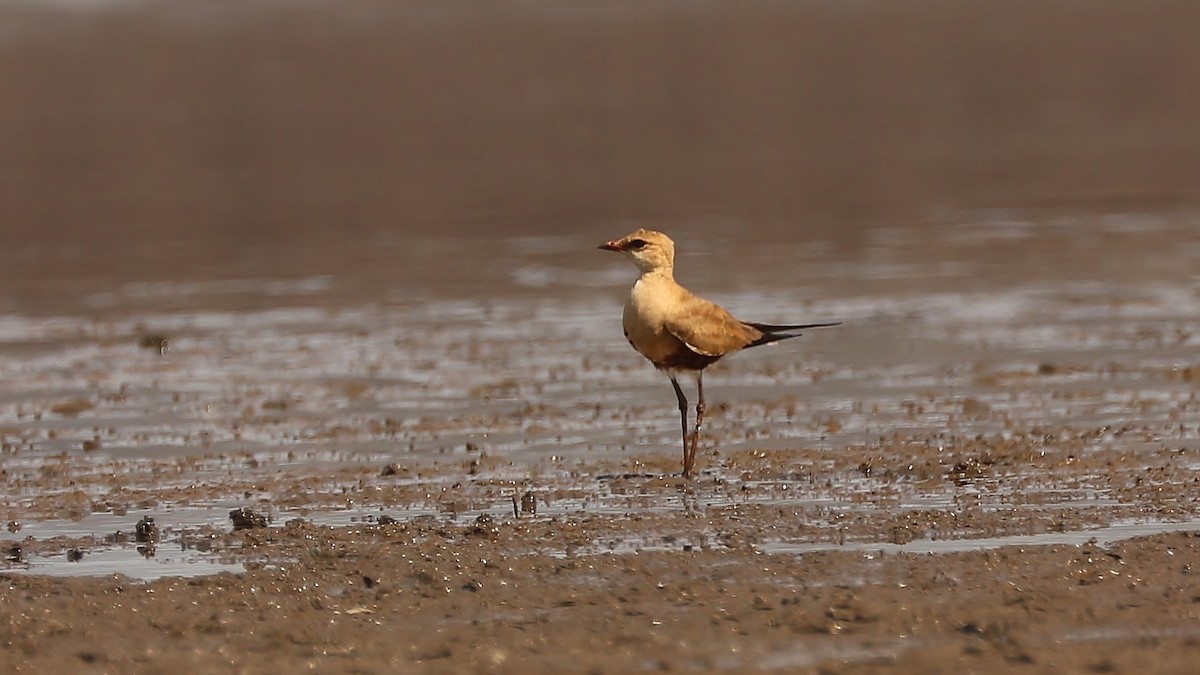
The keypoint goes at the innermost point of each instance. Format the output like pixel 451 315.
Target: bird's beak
pixel 610 246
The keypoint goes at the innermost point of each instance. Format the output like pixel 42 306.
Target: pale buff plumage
pixel 678 330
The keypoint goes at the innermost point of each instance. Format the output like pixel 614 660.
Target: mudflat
pixel 309 359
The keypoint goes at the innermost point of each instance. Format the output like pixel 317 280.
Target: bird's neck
pixel 657 274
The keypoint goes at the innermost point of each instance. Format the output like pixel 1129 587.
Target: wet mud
pixel 979 475
pixel 394 447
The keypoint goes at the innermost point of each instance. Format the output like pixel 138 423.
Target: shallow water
pixel 1102 536
pixel 128 561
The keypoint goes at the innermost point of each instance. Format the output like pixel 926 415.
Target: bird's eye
pixel 636 245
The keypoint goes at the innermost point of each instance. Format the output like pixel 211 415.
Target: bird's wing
pixel 708 329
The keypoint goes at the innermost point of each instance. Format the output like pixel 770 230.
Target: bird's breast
pixel 645 323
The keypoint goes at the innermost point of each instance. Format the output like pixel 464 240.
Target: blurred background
pixel 381 145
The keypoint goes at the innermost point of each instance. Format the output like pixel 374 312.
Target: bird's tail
pixel 775 332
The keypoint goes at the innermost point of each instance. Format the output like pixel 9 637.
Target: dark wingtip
pixel 775 328
pixel 775 332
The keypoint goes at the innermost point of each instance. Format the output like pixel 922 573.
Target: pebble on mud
pixel 528 504
pixel 155 341
pixel 74 555
pixel 245 519
pixel 485 525
pixel 146 530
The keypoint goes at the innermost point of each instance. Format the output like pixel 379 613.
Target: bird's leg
pixel 690 460
pixel 683 411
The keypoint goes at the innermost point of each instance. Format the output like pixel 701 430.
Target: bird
pixel 679 331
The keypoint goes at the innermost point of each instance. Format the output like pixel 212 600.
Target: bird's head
pixel 649 250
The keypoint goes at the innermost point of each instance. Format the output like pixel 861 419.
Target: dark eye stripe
pixel 636 244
